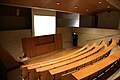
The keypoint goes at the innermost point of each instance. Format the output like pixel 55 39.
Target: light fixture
pixel 108 6
pixel 75 6
pixel 58 3
pixel 86 9
pixel 99 2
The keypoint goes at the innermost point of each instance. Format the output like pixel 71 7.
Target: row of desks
pixel 97 66
pixel 84 61
pixel 75 58
pixel 71 52
pixel 72 60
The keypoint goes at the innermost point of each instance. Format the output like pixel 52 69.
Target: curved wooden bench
pixel 24 69
pixel 45 75
pixel 70 51
pixel 37 59
pixel 33 73
pixel 81 74
pixel 61 61
pixel 72 59
pixel 84 61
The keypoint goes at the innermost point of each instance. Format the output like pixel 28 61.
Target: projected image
pixel 44 25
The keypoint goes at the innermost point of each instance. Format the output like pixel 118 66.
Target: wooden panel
pixel 42 49
pixel 44 40
pixel 92 6
pixel 35 46
pixel 28 45
pixel 52 47
pixel 58 42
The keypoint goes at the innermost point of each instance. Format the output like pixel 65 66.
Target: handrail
pixel 102 37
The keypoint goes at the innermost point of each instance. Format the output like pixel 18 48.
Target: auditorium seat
pixel 25 72
pixel 84 61
pixel 108 66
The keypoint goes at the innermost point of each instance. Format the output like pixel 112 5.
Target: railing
pixel 103 37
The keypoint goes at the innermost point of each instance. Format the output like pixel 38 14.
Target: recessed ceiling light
pixel 99 2
pixel 58 3
pixel 86 9
pixel 108 6
pixel 75 6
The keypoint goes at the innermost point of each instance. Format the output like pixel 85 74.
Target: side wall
pixel 11 40
pixel 95 34
pixel 66 36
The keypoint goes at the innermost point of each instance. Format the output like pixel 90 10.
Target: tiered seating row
pixel 84 61
pixel 70 51
pixel 24 72
pixel 97 67
pixel 74 60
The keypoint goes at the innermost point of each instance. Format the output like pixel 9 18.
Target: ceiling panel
pixel 82 6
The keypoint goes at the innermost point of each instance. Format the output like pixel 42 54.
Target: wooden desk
pixel 71 52
pixel 24 69
pixel 67 57
pixel 84 61
pixel 70 59
pixel 96 67
pixel 37 60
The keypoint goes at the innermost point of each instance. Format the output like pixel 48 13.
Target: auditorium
pixel 60 40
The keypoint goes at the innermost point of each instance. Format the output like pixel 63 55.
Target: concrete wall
pixel 86 21
pixel 11 40
pixel 109 20
pixel 95 34
pixel 66 35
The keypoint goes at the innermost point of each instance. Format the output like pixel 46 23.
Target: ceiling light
pixel 75 7
pixel 86 9
pixel 108 6
pixel 58 3
pixel 99 2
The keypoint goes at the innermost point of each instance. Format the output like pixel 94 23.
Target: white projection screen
pixel 44 25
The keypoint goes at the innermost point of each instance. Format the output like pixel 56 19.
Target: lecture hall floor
pixel 15 74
